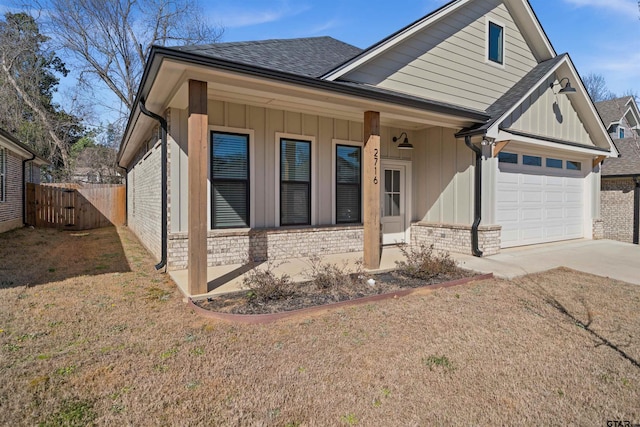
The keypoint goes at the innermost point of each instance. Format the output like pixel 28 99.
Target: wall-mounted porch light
pixel 404 145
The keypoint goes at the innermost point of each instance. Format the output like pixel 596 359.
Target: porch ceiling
pixel 166 85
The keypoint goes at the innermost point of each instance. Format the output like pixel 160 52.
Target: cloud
pixel 237 17
pixel 627 7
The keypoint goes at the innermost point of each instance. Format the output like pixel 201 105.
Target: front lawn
pixel 91 334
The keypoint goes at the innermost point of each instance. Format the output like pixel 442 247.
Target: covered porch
pixel 228 278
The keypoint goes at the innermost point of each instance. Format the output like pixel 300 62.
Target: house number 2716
pixel 375 166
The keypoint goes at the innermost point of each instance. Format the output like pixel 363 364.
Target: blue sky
pixel 602 36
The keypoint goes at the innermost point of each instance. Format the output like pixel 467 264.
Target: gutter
pixel 163 185
pixel 24 188
pixel 477 196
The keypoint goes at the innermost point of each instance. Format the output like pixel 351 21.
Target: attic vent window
pixel 495 40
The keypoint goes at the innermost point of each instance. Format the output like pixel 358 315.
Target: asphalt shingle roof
pixel 629 161
pixel 612 110
pixel 311 57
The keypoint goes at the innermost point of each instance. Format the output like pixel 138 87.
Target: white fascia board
pixel 504 135
pixel 392 41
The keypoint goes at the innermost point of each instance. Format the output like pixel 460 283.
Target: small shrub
pixel 265 285
pixel 423 263
pixel 327 276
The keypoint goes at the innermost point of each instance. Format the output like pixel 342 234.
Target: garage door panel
pixel 539 207
pixel 531 196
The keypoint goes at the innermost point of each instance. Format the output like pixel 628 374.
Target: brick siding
pixel 144 199
pixel 456 238
pixel 236 247
pixel 616 208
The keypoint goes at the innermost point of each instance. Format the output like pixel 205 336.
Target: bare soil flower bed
pixel 308 294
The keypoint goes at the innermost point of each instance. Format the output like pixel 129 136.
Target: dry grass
pixel 105 339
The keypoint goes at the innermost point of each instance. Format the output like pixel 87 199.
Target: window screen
pixel 230 180
pixel 3 173
pixel 348 188
pixel 295 182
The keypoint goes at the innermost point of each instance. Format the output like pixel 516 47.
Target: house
pixel 464 130
pixel 620 191
pixel 18 165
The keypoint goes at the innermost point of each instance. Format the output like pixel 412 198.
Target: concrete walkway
pixel 606 258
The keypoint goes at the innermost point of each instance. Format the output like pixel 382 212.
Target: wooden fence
pixel 75 206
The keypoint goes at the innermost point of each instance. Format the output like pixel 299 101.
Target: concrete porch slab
pixel 228 278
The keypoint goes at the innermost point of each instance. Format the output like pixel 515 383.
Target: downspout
pixel 163 185
pixel 636 211
pixel 477 203
pixel 24 188
pixel 126 194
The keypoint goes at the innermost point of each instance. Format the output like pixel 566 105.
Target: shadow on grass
pixel 599 339
pixel 31 257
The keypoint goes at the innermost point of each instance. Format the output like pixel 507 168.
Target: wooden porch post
pixel 371 190
pixel 197 146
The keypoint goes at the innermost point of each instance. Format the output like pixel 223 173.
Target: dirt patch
pixel 308 294
pixel 120 348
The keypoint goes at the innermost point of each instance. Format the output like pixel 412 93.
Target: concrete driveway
pixel 606 258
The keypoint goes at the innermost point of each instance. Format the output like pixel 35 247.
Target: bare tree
pixel 111 39
pixel 597 87
pixel 28 77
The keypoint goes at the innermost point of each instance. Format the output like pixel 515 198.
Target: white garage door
pixel 539 199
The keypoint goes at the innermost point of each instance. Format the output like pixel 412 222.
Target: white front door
pixel 393 201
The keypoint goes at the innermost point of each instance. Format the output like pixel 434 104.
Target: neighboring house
pixel 285 148
pixel 96 165
pixel 620 191
pixel 18 165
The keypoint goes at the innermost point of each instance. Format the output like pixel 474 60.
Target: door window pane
pixel 531 160
pixel 554 163
pixel 574 166
pixel 504 157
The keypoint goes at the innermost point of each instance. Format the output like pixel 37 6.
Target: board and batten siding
pixel 447 61
pixel 264 124
pixel 549 114
pixel 442 178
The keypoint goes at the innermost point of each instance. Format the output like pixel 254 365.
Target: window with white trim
pixel 348 184
pixel 295 182
pixel 3 174
pixel 621 133
pixel 229 180
pixel 495 43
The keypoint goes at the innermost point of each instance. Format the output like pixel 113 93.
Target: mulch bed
pixel 307 294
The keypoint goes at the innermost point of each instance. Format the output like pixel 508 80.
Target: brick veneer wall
pixel 456 238
pixel 11 208
pixel 616 208
pixel 144 200
pixel 235 247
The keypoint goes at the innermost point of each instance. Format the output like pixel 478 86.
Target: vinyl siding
pixel 547 114
pixel 447 61
pixel 443 178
